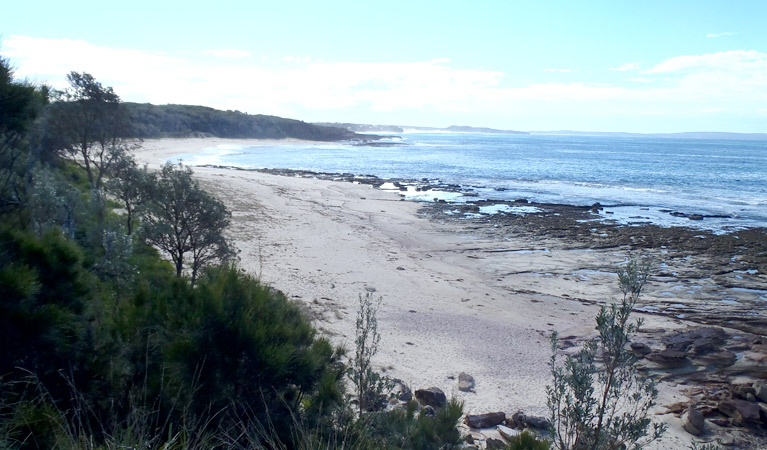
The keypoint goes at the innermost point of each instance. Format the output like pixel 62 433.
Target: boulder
pixel 428 411
pixel 465 382
pixel 521 421
pixel 760 390
pixel 432 396
pixel 485 420
pixel 669 359
pixel 741 411
pixel 693 421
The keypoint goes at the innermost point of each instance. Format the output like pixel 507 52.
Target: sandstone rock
pixel 760 390
pixel 670 359
pixel 506 432
pixel 432 396
pixel 741 411
pixel 465 382
pixel 693 421
pixel 640 349
pixel 720 358
pixel 697 340
pixel 720 422
pixel 485 420
pixel 521 420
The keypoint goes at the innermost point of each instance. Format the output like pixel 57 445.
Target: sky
pixel 636 66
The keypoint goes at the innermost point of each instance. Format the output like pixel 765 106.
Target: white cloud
pixel 228 53
pixel 718 35
pixel 725 81
pixel 733 60
pixel 626 67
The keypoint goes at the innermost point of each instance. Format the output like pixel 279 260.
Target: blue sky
pixel 649 66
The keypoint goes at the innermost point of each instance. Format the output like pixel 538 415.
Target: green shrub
pixel 237 350
pixel 405 429
pixel 527 441
pixel 598 399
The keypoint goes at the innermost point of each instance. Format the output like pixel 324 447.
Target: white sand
pixel 451 303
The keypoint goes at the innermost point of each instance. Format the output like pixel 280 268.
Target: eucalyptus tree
pixel 186 222
pixel 89 125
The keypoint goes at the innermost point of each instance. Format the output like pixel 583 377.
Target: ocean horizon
pixel 637 179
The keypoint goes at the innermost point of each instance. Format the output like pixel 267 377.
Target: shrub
pixel 598 399
pixel 369 384
pixel 527 441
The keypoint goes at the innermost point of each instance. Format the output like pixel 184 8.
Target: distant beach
pixel 469 292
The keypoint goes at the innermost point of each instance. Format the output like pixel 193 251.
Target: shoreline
pixel 478 295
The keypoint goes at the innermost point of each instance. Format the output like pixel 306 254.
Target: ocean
pixel 637 179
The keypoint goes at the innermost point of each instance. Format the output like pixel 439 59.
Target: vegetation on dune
pixel 155 121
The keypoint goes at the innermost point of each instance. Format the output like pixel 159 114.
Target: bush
pixel 404 429
pixel 598 399
pixel 239 351
pixel 527 441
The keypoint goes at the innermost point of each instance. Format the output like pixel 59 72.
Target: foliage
pixel 369 384
pixel 238 347
pixel 598 399
pixel 131 185
pixel 19 105
pixel 181 219
pixel 404 429
pixel 87 124
pixel 527 441
pixel 154 121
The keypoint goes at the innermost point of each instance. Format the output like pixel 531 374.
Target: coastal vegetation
pixel 157 121
pixel 107 344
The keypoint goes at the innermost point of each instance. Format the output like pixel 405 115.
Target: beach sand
pixel 453 299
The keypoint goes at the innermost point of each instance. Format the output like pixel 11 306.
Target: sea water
pixel 638 179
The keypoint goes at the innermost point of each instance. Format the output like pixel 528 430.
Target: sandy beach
pixel 456 297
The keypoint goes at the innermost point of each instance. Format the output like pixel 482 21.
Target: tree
pixel 598 399
pixel 131 185
pixel 182 219
pixel 89 125
pixel 19 105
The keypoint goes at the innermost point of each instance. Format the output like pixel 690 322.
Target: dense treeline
pixel 124 320
pixel 155 121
